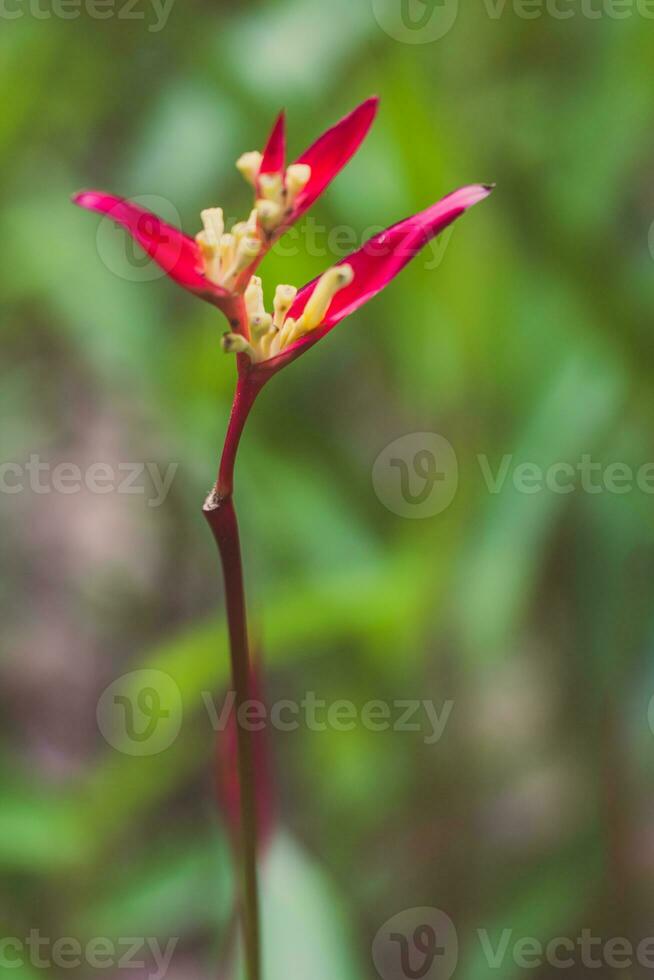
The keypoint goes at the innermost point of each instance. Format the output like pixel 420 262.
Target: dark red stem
pixel 221 517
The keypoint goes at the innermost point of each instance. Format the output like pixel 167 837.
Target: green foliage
pixel 531 340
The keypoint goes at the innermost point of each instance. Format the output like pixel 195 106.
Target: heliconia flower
pixel 217 264
pixel 302 317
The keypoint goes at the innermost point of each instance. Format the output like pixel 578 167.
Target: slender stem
pixel 221 517
pixel 247 389
pixel 224 526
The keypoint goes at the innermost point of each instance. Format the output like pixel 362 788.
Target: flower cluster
pixel 270 335
pixel 220 265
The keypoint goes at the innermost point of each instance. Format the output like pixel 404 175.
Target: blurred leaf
pixel 544 906
pixel 39 833
pixel 180 885
pixel 187 149
pixel 305 923
pixel 506 555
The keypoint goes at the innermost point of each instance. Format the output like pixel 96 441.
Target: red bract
pixel 274 155
pixel 376 264
pixel 176 253
pixel 332 151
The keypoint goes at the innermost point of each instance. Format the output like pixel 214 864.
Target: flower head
pixel 220 264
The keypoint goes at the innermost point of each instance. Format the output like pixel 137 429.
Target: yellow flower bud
pixel 233 343
pixel 298 176
pixel 254 297
pixel 260 325
pixel 270 214
pixel 249 165
pixel 326 288
pixel 214 224
pixel 271 186
pixel 284 297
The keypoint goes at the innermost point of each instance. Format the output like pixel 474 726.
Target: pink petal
pixel 176 253
pixel 274 155
pixel 329 154
pixel 378 262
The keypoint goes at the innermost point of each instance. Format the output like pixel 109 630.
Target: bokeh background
pixel 530 612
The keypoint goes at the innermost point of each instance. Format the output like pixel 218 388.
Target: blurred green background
pixel 531 612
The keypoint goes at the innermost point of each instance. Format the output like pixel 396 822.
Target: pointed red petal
pixel 274 155
pixel 176 253
pixel 378 262
pixel 333 150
